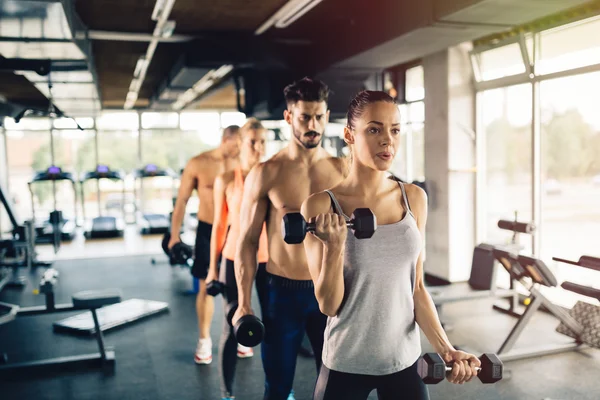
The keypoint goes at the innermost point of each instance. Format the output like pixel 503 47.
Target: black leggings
pixel 405 384
pixel 227 343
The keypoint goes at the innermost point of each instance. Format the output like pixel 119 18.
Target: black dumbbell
pixel 433 369
pixel 249 330
pixel 215 288
pixel 294 227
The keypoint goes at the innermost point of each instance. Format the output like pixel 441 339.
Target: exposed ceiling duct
pixel 37 40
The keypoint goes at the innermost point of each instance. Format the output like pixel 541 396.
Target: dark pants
pixel 291 309
pixel 405 384
pixel 202 251
pixel 227 343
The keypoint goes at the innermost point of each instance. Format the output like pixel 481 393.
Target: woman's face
pixel 375 137
pixel 253 145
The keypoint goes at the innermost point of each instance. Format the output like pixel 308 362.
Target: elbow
pixel 327 305
pixel 328 310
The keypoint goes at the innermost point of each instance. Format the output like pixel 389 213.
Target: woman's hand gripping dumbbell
pixel 294 227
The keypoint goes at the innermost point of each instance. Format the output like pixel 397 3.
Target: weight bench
pixel 86 300
pixel 481 284
pixel 533 273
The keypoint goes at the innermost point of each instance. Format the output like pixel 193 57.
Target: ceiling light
pixel 222 71
pixel 159 7
pixel 135 84
pixel 141 65
pixel 167 29
pixel 287 14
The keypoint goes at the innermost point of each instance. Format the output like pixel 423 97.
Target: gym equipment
pixel 19 251
pixel 180 254
pixel 151 223
pixel 532 273
pixel 111 317
pixel 249 330
pixel 587 314
pixel 433 369
pixel 55 228
pixel 87 300
pixel 215 288
pixel 103 226
pixel 294 227
pixel 482 281
pixel 481 285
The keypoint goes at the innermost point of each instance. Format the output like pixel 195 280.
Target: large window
pixel 506 118
pixel 556 151
pixel 570 129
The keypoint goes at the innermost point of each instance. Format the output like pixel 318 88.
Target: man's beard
pixel 307 141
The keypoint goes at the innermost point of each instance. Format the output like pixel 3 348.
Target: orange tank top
pixel 234 204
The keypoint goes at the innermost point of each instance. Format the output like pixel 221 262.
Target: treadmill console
pixel 102 170
pixel 53 171
pixel 151 169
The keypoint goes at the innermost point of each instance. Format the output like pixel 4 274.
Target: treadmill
pixel 153 223
pixel 43 228
pixel 103 226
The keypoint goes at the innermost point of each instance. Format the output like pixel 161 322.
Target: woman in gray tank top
pixel 372 289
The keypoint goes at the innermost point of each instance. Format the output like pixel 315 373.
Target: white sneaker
pixel 244 352
pixel 203 351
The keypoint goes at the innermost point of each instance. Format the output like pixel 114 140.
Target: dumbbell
pixel 294 227
pixel 433 369
pixel 180 254
pixel 249 330
pixel 215 288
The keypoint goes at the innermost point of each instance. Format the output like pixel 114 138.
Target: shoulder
pixel 262 176
pixel 316 203
pixel 417 199
pixel 224 179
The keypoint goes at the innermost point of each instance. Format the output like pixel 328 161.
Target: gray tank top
pixel 375 332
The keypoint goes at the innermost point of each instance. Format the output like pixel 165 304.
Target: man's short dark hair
pixel 306 89
pixel 231 131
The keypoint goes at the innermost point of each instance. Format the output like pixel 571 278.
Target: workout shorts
pixel 202 251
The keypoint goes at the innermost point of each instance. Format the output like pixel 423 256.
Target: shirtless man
pixel 200 173
pixel 274 188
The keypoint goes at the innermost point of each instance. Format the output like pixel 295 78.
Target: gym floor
pixel 154 357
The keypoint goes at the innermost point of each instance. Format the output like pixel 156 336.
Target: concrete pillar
pixel 449 162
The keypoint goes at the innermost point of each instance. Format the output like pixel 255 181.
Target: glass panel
pixel 208 125
pixel 403 113
pixel 415 86
pixel 152 120
pixel 28 124
pixel 416 112
pixel 75 150
pixel 118 121
pixel 28 152
pixel 569 46
pixel 500 62
pixel 232 118
pixel 506 116
pixel 570 178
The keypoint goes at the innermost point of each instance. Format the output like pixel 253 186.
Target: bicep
pixel 254 207
pixel 188 181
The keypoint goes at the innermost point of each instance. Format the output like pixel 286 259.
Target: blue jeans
pixel 291 309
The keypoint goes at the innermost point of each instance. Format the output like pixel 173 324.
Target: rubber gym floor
pixel 154 357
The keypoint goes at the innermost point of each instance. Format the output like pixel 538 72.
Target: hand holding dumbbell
pixel 215 288
pixel 363 224
pixel 433 369
pixel 249 330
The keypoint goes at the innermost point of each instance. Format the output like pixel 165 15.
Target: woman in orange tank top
pixel 228 191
